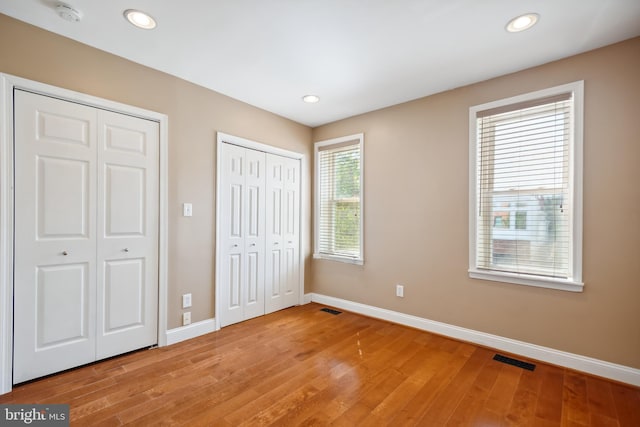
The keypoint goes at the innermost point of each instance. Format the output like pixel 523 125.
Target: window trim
pixel 316 193
pixel 574 283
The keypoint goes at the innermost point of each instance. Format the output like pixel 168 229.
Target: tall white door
pixel 86 226
pixel 55 236
pixel 283 236
pixel 127 232
pixel 242 241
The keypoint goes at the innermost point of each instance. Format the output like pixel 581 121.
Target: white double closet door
pixel 260 233
pixel 86 234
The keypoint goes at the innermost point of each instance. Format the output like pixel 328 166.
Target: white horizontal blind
pixel 524 188
pixel 339 227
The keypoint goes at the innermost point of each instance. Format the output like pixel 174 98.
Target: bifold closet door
pixel 127 231
pixel 283 233
pixel 242 241
pixel 55 236
pixel 86 230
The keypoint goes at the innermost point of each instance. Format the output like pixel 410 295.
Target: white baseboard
pixel 190 331
pixel 577 362
pixel 306 299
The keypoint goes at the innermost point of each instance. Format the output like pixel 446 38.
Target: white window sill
pixel 356 261
pixel 528 280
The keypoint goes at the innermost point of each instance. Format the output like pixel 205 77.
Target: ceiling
pixel 357 55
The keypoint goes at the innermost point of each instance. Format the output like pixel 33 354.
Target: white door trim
pixel 7 84
pixel 247 143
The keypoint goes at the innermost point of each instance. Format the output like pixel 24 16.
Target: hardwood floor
pixel 303 367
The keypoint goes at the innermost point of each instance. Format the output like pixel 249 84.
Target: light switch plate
pixel 187 209
pixel 186 300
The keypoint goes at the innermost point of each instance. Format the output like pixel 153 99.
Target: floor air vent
pixel 330 311
pixel 514 362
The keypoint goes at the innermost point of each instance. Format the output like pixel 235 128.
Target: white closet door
pixel 282 240
pixel 127 230
pixel 274 277
pixel 55 235
pixel 86 234
pixel 254 220
pixel 291 236
pixel 242 239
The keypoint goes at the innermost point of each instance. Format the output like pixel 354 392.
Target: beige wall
pixel 416 214
pixel 195 115
pixel 416 225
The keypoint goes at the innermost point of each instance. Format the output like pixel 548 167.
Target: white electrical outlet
pixel 400 291
pixel 186 300
pixel 186 318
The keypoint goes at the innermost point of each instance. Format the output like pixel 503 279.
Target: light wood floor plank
pixel 549 401
pixel 575 409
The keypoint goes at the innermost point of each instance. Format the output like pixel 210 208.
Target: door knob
pixel 126 249
pixel 65 253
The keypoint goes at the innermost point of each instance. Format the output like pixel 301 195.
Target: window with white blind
pixel 525 220
pixel 338 199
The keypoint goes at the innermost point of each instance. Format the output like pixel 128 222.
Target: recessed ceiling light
pixel 311 99
pixel 522 22
pixel 140 19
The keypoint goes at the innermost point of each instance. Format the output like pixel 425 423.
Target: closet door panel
pixel 62 182
pixel 55 235
pixel 62 305
pixel 283 220
pixel 275 233
pixel 125 200
pixel 254 241
pixel 291 235
pixel 274 277
pixel 127 256
pixel 124 294
pixel 232 268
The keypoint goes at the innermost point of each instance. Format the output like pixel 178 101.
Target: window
pixel 525 219
pixel 338 199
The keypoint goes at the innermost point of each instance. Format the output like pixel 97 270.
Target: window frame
pixel 573 283
pixel 359 260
